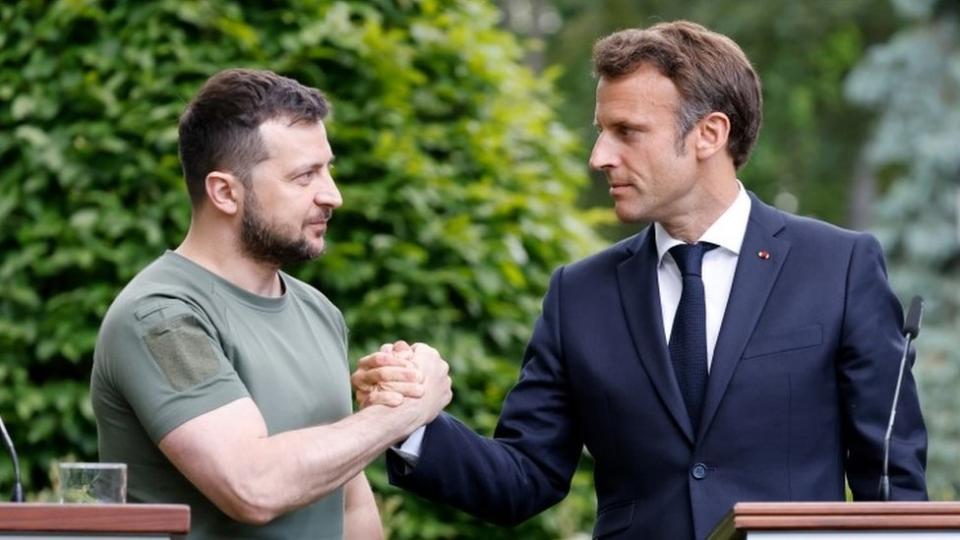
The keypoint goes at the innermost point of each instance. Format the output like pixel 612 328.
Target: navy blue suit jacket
pixel 799 391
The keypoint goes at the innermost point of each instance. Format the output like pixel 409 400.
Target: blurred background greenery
pixel 462 130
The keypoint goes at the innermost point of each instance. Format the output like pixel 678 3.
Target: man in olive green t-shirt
pixel 223 382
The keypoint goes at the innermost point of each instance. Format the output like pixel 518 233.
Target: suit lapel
pixel 752 283
pixel 640 298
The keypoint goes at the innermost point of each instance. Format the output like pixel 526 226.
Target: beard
pixel 265 241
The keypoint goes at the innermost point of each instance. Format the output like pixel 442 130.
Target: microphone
pixel 17 486
pixel 911 326
pixel 911 329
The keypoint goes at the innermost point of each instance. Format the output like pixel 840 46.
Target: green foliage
pixel 914 80
pixel 459 186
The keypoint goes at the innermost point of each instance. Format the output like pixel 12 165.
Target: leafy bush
pixel 459 184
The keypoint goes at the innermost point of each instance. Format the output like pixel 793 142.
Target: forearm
pixel 869 367
pixel 292 469
pixel 502 481
pixel 361 519
pixel 253 477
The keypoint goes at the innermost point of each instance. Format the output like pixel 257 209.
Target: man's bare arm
pixel 253 477
pixel 361 519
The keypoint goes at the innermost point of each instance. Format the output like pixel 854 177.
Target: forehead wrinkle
pixel 646 110
pixel 279 135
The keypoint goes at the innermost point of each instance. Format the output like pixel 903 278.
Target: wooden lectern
pixel 835 521
pixel 31 521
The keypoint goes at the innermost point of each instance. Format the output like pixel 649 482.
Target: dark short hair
pixel 219 130
pixel 710 71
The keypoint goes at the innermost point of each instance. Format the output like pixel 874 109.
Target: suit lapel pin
pixel 763 254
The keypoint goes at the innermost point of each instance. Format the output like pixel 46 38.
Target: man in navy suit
pixel 728 352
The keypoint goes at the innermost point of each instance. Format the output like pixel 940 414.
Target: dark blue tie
pixel 688 339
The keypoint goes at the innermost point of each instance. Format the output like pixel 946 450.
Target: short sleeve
pixel 164 358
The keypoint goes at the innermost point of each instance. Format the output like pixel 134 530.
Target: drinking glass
pixel 92 482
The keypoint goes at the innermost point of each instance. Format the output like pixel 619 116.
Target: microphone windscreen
pixel 911 326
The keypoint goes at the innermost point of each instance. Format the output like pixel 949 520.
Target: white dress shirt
pixel 719 266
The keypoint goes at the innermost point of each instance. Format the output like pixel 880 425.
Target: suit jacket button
pixel 699 471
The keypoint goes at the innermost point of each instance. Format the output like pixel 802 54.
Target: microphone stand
pixel 17 486
pixel 911 330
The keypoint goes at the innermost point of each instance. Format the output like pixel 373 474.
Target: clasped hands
pixel 403 375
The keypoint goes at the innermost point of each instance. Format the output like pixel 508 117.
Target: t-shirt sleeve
pixel 165 359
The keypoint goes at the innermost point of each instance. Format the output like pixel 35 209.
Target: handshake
pixel 404 376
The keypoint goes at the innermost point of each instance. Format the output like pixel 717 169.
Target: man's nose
pixel 328 194
pixel 602 157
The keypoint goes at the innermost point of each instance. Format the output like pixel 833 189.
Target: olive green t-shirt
pixel 180 341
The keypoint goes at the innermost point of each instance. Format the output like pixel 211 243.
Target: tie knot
pixel 689 257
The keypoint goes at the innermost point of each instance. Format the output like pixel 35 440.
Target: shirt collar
pixel 727 231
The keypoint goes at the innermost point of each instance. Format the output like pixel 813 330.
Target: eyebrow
pixel 621 123
pixel 315 165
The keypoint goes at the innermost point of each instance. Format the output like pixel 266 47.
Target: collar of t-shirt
pixel 719 266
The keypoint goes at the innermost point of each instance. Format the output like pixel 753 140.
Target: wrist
pixel 401 420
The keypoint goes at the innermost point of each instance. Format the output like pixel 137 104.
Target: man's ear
pixel 224 191
pixel 713 130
